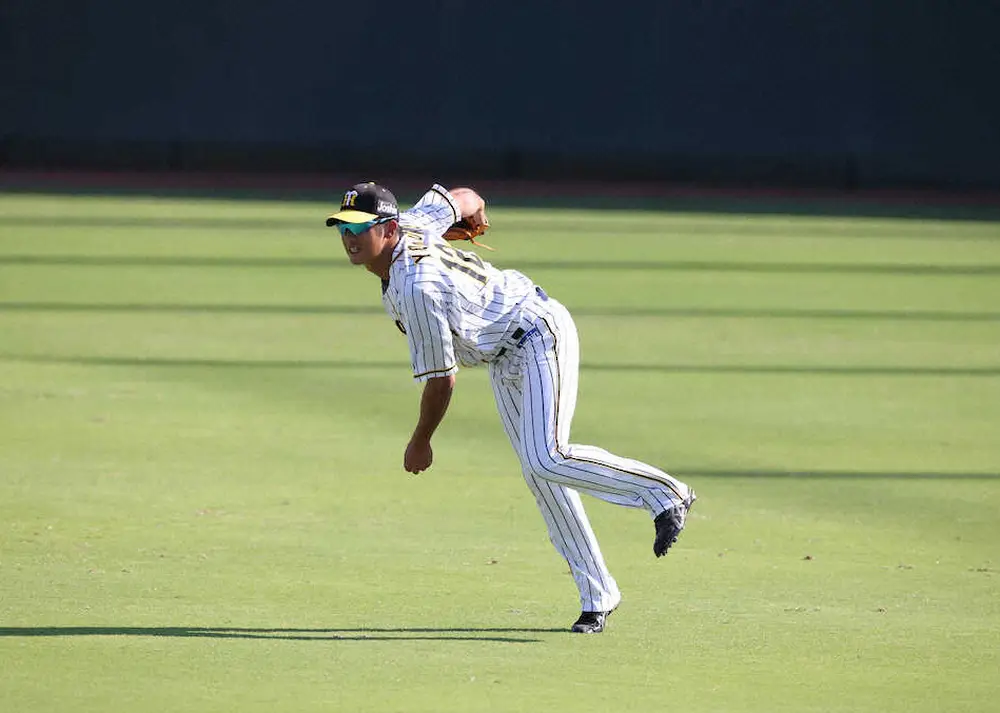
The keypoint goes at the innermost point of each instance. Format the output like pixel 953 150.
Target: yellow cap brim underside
pixel 350 216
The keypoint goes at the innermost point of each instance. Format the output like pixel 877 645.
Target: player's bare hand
pixel 479 217
pixel 472 205
pixel 418 457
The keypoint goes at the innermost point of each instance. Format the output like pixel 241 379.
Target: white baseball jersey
pixel 457 309
pixel 453 307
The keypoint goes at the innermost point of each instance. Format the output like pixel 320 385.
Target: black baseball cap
pixel 364 202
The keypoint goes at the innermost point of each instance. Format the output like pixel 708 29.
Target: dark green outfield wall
pixel 782 92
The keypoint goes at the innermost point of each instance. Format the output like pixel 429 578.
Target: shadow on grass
pixel 360 634
pixel 348 364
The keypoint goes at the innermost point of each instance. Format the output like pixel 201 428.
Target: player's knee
pixel 541 463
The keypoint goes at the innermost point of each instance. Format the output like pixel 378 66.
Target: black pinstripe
pixel 562 450
pixel 578 538
pixel 561 467
pixel 427 328
pixel 554 515
pixel 544 383
pixel 455 213
pixel 564 469
pixel 563 513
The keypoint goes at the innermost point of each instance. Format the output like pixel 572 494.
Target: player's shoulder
pixel 435 206
pixel 436 195
pixel 417 262
pixel 420 246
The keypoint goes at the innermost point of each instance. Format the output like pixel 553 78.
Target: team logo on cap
pixel 349 199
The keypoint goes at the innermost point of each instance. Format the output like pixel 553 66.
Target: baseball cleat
pixel 669 524
pixel 591 622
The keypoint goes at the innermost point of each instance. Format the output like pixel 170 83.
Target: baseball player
pixel 458 310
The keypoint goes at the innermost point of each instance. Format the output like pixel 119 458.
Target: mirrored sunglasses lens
pixel 354 228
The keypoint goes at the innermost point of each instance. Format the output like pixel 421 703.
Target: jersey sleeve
pixel 434 213
pixel 432 351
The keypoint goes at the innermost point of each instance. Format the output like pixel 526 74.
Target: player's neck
pixel 381 262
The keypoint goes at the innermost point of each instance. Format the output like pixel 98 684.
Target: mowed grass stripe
pixel 621 312
pixel 178 215
pixel 523 265
pixel 401 366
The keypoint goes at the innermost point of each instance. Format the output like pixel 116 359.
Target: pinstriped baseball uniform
pixel 456 309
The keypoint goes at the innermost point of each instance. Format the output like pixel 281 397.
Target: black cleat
pixel 669 524
pixel 591 622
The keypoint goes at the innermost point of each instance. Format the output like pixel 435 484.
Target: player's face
pixel 367 244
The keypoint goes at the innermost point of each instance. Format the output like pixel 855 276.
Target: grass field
pixel 203 411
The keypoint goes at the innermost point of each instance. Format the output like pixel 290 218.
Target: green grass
pixel 202 506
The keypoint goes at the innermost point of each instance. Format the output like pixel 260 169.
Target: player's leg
pixel 568 526
pixel 568 373
pixel 551 367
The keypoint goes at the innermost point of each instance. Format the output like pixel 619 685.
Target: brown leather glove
pixel 467 229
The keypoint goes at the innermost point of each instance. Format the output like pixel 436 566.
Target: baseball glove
pixel 467 229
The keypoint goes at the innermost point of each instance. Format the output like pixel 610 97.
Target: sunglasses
pixel 358 228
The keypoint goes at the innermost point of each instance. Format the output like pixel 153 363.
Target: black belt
pixel 514 337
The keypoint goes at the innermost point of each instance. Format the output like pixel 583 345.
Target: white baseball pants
pixel 535 386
